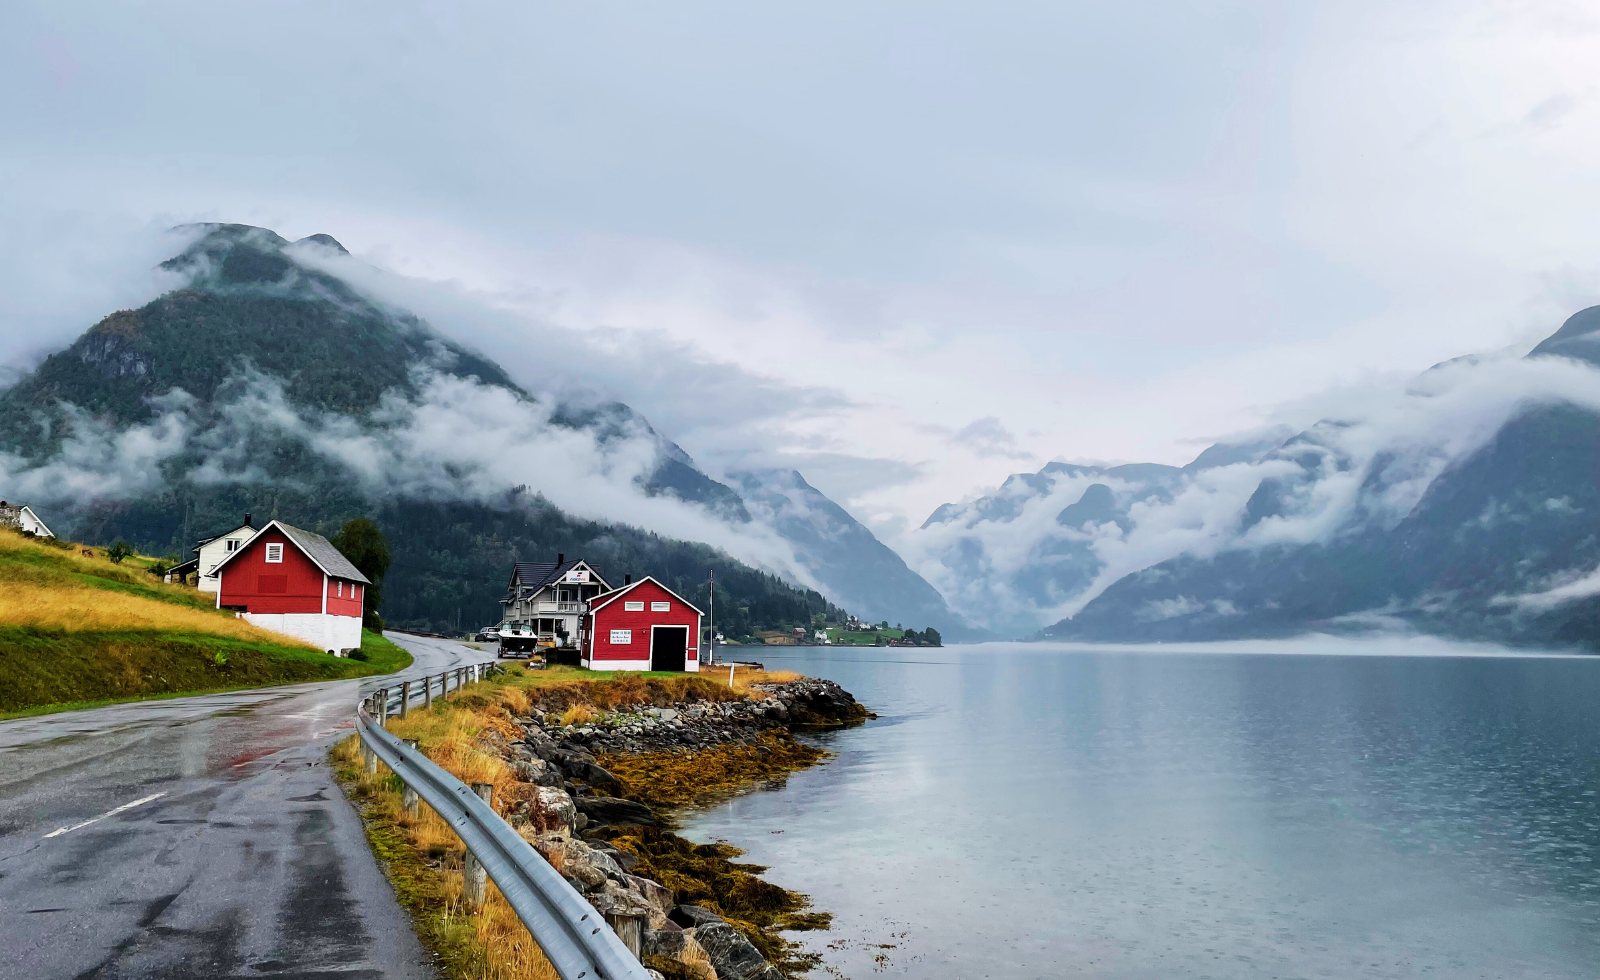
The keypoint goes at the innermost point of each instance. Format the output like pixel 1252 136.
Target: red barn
pixel 642 626
pixel 294 581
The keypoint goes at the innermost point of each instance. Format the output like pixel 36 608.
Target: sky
pixel 908 248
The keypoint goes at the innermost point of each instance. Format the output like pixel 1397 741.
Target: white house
pixel 22 518
pixel 209 553
pixel 549 598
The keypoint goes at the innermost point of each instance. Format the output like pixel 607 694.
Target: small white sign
pixel 660 607
pixel 620 637
pixel 578 576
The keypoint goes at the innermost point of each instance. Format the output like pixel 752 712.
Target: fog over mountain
pixel 288 379
pixel 1461 503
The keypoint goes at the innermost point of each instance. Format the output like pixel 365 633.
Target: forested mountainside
pixel 266 386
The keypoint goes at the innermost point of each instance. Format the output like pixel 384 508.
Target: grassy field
pixel 79 631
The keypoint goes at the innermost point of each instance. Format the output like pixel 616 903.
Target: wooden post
pixel 370 758
pixel 475 889
pixel 383 707
pixel 405 697
pixel 408 796
pixel 427 693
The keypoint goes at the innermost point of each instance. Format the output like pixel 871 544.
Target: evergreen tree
pixel 363 542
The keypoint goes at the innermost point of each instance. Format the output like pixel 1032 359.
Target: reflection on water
pixel 1042 812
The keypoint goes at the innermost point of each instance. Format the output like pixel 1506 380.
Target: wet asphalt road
pixel 201 837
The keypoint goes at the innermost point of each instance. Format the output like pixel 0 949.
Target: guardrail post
pixel 461 678
pixel 475 890
pixel 370 758
pixel 408 796
pixel 405 697
pixel 427 693
pixel 383 707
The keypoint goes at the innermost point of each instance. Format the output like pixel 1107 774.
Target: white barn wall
pixel 337 633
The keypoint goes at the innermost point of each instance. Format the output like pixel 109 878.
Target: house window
pixel 274 554
pixel 621 637
pixel 233 544
pixel 341 590
pixel 633 607
pixel 661 607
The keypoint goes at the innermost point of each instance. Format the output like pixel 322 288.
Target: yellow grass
pixel 745 679
pixel 84 608
pixel 427 866
pixel 579 714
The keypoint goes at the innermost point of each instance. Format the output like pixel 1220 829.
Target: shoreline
pixel 596 773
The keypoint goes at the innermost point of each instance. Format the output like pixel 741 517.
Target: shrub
pixel 360 655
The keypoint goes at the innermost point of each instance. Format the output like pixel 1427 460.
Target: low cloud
pixel 457 439
pixel 62 271
pixel 1368 465
pixel 988 436
pixel 1564 589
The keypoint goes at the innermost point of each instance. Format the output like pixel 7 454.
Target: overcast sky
pixel 908 247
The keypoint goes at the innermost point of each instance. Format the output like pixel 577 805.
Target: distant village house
pixel 21 517
pixel 208 554
pixel 545 602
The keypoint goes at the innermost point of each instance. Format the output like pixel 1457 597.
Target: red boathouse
pixel 294 581
pixel 642 626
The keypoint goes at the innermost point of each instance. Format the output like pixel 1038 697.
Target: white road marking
pixel 109 813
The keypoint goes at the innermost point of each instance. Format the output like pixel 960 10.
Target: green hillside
pixel 78 630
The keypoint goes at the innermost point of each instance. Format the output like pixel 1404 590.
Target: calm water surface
pixel 1028 811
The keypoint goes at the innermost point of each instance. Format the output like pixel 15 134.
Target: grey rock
pixel 556 804
pixel 732 955
pixel 613 811
pixel 667 941
pixel 690 916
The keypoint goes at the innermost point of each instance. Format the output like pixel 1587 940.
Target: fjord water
pixel 1037 811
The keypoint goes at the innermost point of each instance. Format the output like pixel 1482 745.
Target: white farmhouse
pixel 22 518
pixel 209 553
pixel 547 600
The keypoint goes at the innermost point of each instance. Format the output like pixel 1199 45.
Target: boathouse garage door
pixel 669 647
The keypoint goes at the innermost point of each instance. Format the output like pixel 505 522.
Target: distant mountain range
pixel 269 384
pixel 1467 506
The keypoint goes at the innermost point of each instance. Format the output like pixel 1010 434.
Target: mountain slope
pixel 268 386
pixel 1038 546
pixel 845 557
pixel 1482 529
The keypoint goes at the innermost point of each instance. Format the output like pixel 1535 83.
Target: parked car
pixel 489 634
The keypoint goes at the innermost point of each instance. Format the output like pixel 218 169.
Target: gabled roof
pixel 606 598
pixel 205 541
pixel 537 575
pixel 29 511
pixel 313 545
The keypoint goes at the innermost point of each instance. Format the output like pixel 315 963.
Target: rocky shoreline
pixel 598 827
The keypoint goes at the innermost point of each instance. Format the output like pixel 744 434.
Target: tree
pixel 119 551
pixel 362 541
pixel 931 637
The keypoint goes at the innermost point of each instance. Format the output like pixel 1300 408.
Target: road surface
pixel 198 837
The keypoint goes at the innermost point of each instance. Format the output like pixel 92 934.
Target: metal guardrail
pixel 574 936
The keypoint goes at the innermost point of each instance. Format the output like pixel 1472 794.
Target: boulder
pixel 556 808
pixel 616 812
pixel 690 916
pixel 733 956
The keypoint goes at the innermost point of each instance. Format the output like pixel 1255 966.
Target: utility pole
pixel 711 641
